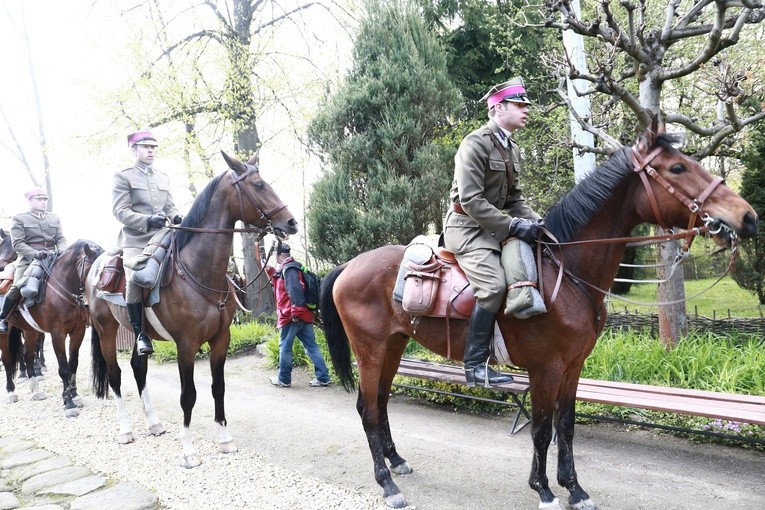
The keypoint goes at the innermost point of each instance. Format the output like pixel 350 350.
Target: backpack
pixel 312 283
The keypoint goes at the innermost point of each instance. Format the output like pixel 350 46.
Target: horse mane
pixel 79 246
pixel 197 212
pixel 577 208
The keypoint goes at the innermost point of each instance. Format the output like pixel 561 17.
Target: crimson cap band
pixel 142 138
pixel 36 192
pixel 512 90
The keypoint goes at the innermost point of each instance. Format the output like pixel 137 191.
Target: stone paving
pixel 33 478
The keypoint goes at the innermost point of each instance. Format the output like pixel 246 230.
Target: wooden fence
pixel 696 323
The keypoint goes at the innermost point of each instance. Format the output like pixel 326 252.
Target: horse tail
pixel 16 348
pixel 98 364
pixel 337 339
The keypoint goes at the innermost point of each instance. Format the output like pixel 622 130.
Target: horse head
pixel 258 204
pixel 80 256
pixel 678 192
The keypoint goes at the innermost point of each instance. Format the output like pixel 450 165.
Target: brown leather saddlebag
pixel 112 277
pixel 6 278
pixel 421 284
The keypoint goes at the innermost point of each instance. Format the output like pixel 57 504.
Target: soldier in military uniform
pixel 36 234
pixel 486 208
pixel 142 202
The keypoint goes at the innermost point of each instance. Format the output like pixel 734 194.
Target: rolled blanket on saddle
pixel 146 267
pixel 523 298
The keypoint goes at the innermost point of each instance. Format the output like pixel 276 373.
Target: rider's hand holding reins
pixel 526 230
pixel 157 221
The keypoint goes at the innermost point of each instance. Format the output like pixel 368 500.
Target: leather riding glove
pixel 157 221
pixel 527 231
pixel 177 219
pixel 41 254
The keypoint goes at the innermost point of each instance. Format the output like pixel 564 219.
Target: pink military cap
pixel 512 90
pixel 143 137
pixel 36 192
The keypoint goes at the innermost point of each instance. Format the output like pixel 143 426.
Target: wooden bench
pixel 709 404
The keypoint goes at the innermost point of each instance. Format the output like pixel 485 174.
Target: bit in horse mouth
pixel 281 234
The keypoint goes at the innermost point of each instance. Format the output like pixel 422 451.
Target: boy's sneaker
pixel 276 382
pixel 314 383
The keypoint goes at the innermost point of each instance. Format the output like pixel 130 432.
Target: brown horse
pixel 197 305
pixel 358 308
pixel 11 347
pixel 61 313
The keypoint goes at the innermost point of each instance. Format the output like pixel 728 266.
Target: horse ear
pixel 2 233
pixel 234 164
pixel 255 157
pixel 89 253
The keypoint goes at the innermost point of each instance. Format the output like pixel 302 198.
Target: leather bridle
pixel 642 166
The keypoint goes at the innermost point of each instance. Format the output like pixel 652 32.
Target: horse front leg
pixel 565 419
pixel 140 366
pixel 30 348
pixel 218 352
pixel 186 353
pixel 10 370
pixel 542 410
pixel 65 373
pixel 75 342
pixel 368 407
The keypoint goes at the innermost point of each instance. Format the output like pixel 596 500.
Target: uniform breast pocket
pixel 497 165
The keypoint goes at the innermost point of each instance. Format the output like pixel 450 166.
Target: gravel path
pixel 244 479
pixel 304 448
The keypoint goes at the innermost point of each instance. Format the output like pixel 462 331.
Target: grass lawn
pixel 723 299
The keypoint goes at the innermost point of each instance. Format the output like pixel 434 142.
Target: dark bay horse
pixel 61 313
pixel 357 306
pixel 11 348
pixel 197 305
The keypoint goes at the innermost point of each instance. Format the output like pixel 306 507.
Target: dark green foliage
pixel 389 178
pixel 750 267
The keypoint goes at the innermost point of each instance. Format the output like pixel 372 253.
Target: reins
pixel 241 192
pixel 641 166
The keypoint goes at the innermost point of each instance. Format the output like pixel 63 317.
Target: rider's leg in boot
pixel 8 304
pixel 476 358
pixel 142 340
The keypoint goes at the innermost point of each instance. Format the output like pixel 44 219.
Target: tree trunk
pixel 673 321
pixel 260 295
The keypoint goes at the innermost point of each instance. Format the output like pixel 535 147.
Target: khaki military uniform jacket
pixel 489 196
pixel 135 197
pixel 30 233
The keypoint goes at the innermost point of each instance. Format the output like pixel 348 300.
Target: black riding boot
pixel 477 369
pixel 8 305
pixel 142 340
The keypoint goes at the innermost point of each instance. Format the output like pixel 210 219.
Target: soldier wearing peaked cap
pixel 486 208
pixel 35 234
pixel 142 202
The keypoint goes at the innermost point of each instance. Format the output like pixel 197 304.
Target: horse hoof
pixel 402 469
pixel 227 447
pixel 72 412
pixel 39 396
pixel 587 504
pixel 552 505
pixel 191 461
pixel 77 401
pixel 125 438
pixel 396 501
pixel 11 399
pixel 157 429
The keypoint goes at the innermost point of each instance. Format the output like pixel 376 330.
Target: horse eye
pixel 678 168
pixel 259 184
